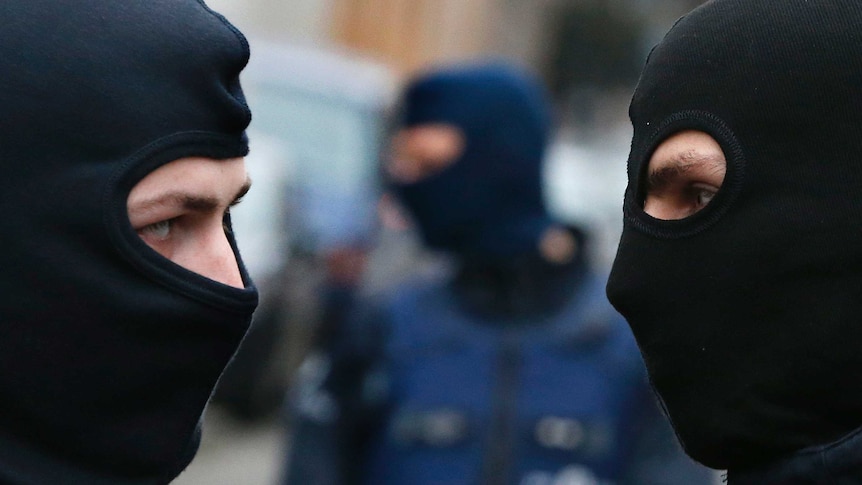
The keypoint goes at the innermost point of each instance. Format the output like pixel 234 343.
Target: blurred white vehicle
pixel 584 186
pixel 318 121
pixel 318 118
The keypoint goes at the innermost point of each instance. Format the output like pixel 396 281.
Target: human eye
pixel 677 194
pixel 702 195
pixel 158 231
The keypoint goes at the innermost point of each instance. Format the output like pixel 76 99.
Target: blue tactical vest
pixel 536 402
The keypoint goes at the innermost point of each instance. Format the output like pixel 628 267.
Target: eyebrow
pixel 188 201
pixel 680 164
pixel 241 192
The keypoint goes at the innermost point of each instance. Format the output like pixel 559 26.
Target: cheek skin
pixel 207 251
pixel 665 208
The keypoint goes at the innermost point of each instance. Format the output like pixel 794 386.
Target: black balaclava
pixel 748 312
pixel 109 351
pixel 488 204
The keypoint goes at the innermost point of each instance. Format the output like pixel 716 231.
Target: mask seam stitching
pixel 710 215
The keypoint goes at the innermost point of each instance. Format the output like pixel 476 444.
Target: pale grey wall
pixel 296 20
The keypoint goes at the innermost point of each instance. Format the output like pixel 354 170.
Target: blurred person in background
pixel 739 268
pixel 123 296
pixel 514 368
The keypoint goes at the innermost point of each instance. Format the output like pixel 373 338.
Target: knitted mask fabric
pixel 109 350
pixel 747 312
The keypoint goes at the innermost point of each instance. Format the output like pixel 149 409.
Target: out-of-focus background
pixel 322 83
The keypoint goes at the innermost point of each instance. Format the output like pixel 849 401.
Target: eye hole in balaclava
pixel 422 151
pixel 683 175
pixel 179 210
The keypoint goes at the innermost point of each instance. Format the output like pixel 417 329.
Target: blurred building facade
pixel 589 52
pixel 411 34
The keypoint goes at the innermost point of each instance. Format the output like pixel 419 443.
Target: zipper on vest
pixel 501 439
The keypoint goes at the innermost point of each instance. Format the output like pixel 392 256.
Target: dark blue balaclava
pixel 109 350
pixel 489 203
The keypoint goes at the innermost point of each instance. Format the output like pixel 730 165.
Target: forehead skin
pixel 689 150
pixel 196 181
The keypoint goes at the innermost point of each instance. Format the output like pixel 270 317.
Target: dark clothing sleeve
pixel 313 457
pixel 339 401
